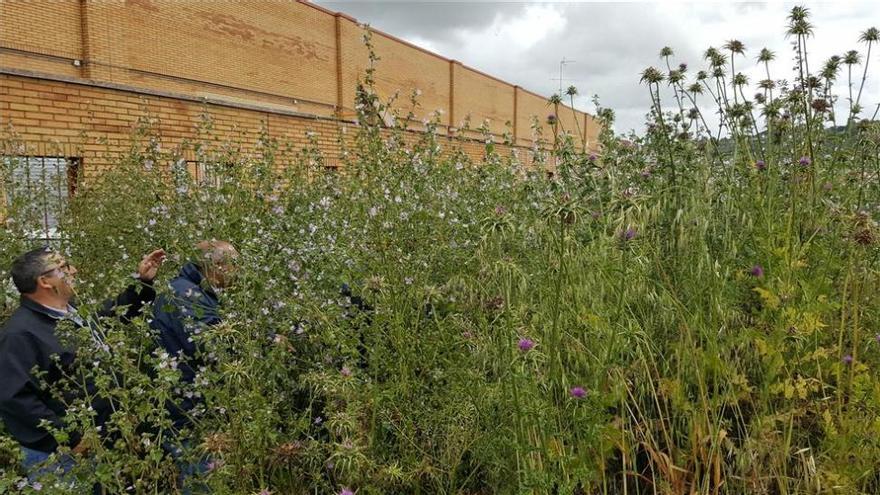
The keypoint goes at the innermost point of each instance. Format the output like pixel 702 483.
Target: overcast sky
pixel 611 43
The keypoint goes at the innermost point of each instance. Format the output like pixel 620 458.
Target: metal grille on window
pixel 204 174
pixel 36 191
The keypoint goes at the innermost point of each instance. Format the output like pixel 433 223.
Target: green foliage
pixel 717 313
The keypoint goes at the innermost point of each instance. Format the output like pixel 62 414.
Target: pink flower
pixel 578 392
pixel 526 345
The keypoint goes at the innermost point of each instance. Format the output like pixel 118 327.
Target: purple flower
pixel 526 345
pixel 805 161
pixel 877 337
pixel 578 392
pixel 760 165
pixel 593 157
pixel 629 234
pixel 757 271
pixel 346 491
pixel 345 371
pixel 848 359
pixel 265 491
pixel 500 210
pixel 551 119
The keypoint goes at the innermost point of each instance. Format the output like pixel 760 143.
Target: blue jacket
pixel 177 316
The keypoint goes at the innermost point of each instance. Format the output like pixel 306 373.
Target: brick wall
pixel 77 72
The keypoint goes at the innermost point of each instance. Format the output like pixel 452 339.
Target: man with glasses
pixel 46 282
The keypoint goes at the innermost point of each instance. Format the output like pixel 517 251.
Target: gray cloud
pixel 612 43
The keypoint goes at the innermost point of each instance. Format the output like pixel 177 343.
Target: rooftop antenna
pixel 562 64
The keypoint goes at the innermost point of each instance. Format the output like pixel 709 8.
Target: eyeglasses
pixel 62 267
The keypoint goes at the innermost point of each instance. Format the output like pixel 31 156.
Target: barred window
pixel 36 190
pixel 204 174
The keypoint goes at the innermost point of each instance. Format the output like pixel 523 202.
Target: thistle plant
pixel 677 312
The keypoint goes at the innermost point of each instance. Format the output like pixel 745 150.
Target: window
pixel 36 189
pixel 204 174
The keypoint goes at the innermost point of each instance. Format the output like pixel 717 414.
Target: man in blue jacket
pixel 46 282
pixel 192 305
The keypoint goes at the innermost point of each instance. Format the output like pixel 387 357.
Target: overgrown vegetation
pixel 682 314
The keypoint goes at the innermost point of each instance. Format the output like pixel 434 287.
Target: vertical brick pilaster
pixel 339 97
pixel 85 47
pixel 584 137
pixel 451 123
pixel 515 115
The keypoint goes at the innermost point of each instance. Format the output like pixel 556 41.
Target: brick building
pixel 75 76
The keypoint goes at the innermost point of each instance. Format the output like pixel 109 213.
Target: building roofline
pixel 434 54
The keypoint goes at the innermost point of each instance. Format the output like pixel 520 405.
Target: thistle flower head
pixel 757 271
pixel 805 161
pixel 870 35
pixel 852 57
pixel 651 76
pixel 760 165
pixel 526 345
pixel 578 392
pixel 766 55
pixel 847 359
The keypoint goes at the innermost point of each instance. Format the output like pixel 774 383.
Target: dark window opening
pixel 36 190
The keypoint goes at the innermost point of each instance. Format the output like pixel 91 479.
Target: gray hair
pixel 28 267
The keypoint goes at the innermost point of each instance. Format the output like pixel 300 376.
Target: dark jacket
pixel 177 316
pixel 28 341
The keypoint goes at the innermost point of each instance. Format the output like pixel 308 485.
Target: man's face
pixel 222 272
pixel 58 276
